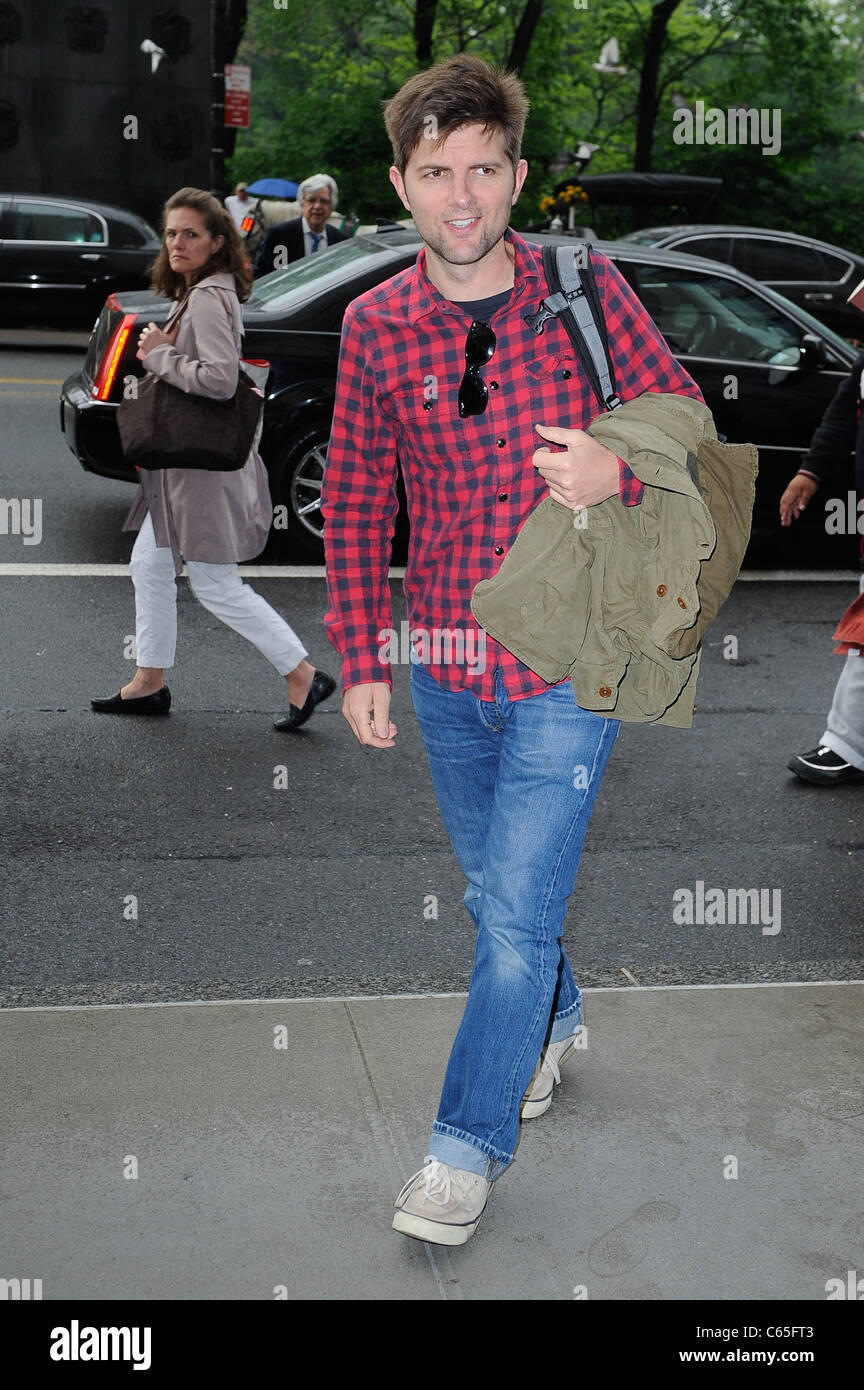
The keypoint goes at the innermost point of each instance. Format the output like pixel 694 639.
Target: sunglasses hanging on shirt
pixel 473 391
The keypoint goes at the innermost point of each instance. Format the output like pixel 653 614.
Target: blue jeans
pixel 515 782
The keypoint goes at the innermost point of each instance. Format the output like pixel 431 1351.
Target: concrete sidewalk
pixel 263 1167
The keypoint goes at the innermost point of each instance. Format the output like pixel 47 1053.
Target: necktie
pixel 316 239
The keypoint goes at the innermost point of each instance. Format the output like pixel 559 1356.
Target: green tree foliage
pixel 322 69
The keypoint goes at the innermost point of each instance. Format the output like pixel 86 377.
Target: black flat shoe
pixel 158 703
pixel 322 686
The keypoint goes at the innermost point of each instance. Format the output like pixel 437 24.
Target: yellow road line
pixel 30 381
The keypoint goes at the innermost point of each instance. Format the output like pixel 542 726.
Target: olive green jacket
pixel 619 597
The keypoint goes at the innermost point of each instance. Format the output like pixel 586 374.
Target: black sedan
pixel 814 274
pixel 766 367
pixel 60 258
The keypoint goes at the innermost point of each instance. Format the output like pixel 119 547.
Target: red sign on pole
pixel 238 90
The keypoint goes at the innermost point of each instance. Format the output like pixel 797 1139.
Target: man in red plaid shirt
pixel 439 369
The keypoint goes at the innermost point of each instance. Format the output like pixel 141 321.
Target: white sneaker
pixel 441 1204
pixel 547 1074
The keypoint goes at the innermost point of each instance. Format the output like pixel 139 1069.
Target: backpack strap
pixel 575 299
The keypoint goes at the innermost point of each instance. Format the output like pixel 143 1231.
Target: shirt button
pixel 502 496
pixel 661 591
pixel 501 442
pixel 427 405
pixel 499 550
pixel 681 603
pixel 493 385
pixel 604 691
pixel 566 372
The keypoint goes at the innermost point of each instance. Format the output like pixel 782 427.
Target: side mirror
pixel 812 350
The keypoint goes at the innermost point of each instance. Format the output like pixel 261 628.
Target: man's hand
pixel 796 497
pixel 367 709
pixel 580 475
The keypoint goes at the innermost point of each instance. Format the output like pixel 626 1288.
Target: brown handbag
pixel 164 427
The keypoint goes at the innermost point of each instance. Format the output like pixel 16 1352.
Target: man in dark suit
pixel 303 235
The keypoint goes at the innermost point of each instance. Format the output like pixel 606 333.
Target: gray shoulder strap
pixel 579 306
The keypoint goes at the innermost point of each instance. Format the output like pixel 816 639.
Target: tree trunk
pixel 424 24
pixel 660 17
pixel 518 55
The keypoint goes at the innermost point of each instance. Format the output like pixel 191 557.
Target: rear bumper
pixel 90 428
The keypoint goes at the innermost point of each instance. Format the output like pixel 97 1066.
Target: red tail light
pixel 111 357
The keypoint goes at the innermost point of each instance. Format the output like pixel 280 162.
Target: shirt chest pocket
pixel 425 415
pixel 557 389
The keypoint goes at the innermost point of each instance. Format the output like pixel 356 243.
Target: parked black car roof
pixel 109 211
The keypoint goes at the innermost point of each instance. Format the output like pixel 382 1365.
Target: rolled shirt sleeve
pixel 630 490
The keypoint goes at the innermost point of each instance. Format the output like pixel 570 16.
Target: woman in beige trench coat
pixel 210 519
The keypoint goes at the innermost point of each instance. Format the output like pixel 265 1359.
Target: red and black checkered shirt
pixel 470 484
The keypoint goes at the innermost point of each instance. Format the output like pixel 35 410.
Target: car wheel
pixel 296 469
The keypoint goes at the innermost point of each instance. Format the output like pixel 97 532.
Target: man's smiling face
pixel 460 192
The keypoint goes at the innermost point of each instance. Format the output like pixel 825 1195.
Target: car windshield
pixel 312 275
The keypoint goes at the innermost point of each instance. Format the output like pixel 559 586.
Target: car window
pixel 53 222
pixel 130 232
pixel 835 266
pixel 712 316
pixel 126 236
pixel 777 261
pixel 717 248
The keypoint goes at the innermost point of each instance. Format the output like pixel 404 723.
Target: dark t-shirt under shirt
pixel 483 309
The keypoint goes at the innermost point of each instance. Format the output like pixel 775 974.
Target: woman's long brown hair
pixel 231 255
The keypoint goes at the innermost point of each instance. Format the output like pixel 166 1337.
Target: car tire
pixel 295 465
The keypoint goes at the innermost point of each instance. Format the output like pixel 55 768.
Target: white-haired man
pixel 304 235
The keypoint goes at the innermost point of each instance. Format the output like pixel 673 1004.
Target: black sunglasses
pixel 473 391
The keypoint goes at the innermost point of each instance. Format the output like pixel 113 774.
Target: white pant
pixel 845 732
pixel 220 589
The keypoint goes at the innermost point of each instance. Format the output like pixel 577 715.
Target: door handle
pixel 91 256
pixel 818 296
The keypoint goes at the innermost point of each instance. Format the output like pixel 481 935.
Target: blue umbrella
pixel 274 188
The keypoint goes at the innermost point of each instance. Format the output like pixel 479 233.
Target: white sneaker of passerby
pixel 547 1074
pixel 441 1204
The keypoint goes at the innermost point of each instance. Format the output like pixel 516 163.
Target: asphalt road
pixel 158 860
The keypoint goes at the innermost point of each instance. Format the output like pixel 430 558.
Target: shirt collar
pixel 425 299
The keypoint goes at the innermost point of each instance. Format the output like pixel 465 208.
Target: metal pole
pixel 217 99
